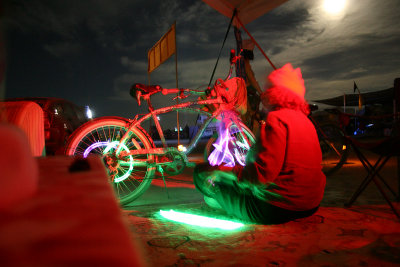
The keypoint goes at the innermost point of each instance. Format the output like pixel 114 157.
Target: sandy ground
pixel 367 234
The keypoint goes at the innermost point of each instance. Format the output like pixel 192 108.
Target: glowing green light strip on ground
pixel 200 220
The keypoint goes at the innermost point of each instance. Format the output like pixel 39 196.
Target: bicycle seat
pixel 138 90
pixel 144 89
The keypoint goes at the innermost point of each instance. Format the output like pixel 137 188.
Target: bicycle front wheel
pixel 333 147
pixel 130 176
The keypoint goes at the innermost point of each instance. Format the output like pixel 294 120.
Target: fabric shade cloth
pixel 28 116
pixel 247 11
pixel 384 97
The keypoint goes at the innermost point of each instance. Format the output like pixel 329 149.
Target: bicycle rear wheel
pixel 130 176
pixel 333 147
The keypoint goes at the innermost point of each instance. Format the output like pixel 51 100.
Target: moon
pixel 334 6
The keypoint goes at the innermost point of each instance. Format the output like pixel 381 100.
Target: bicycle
pixel 334 137
pixel 128 151
pixel 332 142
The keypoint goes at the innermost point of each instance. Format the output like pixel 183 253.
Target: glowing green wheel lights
pixel 131 175
pixel 123 146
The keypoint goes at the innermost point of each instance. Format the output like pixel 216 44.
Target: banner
pixel 162 50
pixel 360 100
pixel 247 11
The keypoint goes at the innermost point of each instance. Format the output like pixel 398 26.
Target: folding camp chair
pixel 386 149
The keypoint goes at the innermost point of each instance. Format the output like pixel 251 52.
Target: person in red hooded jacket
pixel 282 179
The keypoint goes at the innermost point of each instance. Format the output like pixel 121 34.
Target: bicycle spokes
pixel 121 171
pixel 241 150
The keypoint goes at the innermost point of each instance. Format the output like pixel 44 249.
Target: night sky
pixel 90 52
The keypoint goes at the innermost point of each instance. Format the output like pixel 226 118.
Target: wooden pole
pixel 255 42
pixel 396 128
pixel 176 81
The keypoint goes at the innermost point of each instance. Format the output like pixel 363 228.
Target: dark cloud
pixel 90 52
pixel 371 55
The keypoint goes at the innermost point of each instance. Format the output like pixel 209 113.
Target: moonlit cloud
pixel 332 52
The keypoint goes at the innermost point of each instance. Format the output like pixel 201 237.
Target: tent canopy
pixel 384 97
pixel 247 10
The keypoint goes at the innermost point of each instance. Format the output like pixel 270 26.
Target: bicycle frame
pixel 132 158
pixel 186 106
pixel 182 106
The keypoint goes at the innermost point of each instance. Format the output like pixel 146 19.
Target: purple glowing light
pixel 232 146
pixel 221 153
pixel 93 146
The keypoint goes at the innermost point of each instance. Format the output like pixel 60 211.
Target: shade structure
pixel 384 97
pixel 247 10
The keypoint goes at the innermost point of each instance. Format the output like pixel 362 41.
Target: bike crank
pixel 173 162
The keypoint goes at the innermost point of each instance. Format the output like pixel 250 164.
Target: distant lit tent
pixel 384 97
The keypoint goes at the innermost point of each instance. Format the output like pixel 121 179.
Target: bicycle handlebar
pixel 166 91
pixel 139 91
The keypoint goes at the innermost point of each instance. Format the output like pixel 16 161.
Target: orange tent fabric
pixel 248 10
pixel 28 116
pixel 19 171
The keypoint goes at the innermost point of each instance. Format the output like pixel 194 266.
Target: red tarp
pixel 28 116
pixel 248 10
pixel 384 97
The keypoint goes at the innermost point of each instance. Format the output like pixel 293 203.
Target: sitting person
pixel 282 179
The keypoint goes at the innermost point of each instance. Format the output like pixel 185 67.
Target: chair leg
pixel 373 171
pixel 363 158
pixel 377 172
pixel 378 169
pixel 359 190
pixel 369 168
pixel 388 187
pixel 386 197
